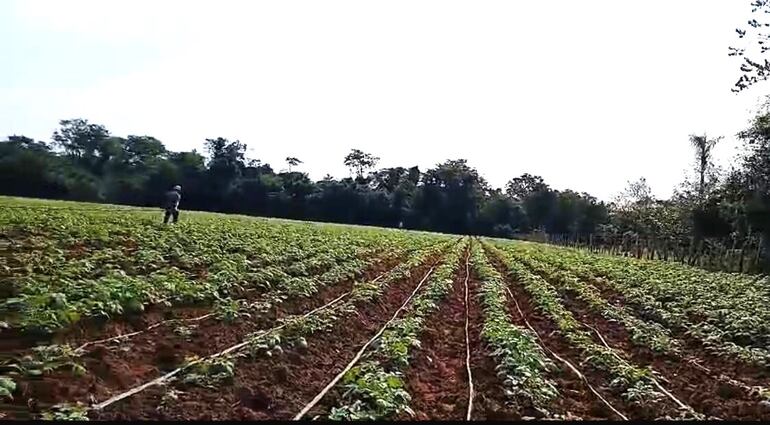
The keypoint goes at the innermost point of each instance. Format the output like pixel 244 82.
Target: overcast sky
pixel 587 94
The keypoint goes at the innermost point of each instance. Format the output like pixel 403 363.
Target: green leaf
pixel 394 382
pixel 7 383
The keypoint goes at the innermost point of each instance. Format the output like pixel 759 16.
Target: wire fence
pixel 729 255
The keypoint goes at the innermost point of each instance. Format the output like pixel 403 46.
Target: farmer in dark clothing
pixel 171 204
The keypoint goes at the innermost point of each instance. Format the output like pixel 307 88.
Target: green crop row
pixel 207 258
pixel 374 388
pixel 290 332
pixel 708 306
pixel 642 333
pixel 521 362
pixel 633 382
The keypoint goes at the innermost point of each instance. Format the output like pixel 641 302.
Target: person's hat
pixel 177 187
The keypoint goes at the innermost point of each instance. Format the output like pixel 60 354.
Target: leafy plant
pixel 47 359
pixel 67 412
pixel 7 387
pixel 521 362
pixel 208 373
pixel 229 310
pixel 375 393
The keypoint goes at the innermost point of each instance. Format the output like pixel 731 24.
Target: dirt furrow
pixel 272 387
pixel 437 378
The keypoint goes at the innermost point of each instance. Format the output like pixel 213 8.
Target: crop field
pixel 106 313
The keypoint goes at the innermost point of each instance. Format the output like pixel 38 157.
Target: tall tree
pixel 525 185
pixel 83 141
pixel 703 147
pixel 359 162
pixel 225 167
pixel 292 162
pixel 756 178
pixel 450 197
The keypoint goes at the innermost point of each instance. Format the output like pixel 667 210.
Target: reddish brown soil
pixel 113 368
pixel 437 379
pixel 273 387
pixel 14 342
pixel 575 399
pixel 489 402
pixel 690 384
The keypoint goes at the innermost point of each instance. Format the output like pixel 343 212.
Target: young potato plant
pixel 7 387
pixel 633 382
pixel 377 394
pixel 229 310
pixel 374 389
pixel 522 364
pixel 46 359
pixel 66 412
pixel 208 373
pixel 708 306
pixel 649 334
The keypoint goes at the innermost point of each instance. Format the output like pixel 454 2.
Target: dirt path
pixel 273 387
pixel 112 368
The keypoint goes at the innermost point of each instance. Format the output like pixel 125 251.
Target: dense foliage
pixel 85 162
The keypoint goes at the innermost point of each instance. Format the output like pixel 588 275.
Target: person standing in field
pixel 171 204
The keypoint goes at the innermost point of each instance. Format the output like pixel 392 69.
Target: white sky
pixel 588 94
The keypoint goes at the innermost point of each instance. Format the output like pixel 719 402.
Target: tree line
pixel 83 161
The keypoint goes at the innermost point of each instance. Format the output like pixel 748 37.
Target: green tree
pixel 293 162
pixel 77 137
pixel 450 196
pixel 704 167
pixel 359 162
pixel 525 185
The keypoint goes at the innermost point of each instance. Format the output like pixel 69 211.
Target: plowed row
pixel 279 384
